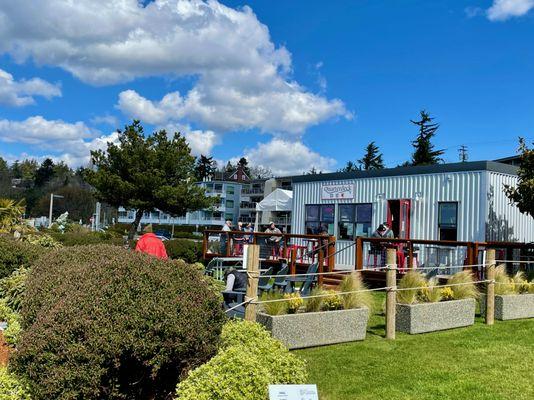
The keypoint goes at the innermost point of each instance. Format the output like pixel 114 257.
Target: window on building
pixel 229 190
pixel 317 216
pixel 354 220
pixel 448 220
pixel 229 204
pixel 229 217
pixel 218 187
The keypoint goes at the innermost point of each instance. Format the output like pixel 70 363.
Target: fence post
pixel 391 282
pixel 253 271
pixel 293 263
pixel 490 286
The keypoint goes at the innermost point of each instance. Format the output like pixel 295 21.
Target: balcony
pixel 256 191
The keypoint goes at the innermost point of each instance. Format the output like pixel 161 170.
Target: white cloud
pixel 21 93
pixel 284 157
pixel 200 142
pixel 504 9
pixel 69 142
pixel 241 79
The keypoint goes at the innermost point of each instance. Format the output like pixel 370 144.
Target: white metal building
pixel 461 201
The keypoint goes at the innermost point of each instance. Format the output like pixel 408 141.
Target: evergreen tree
pixel 424 153
pixel 44 173
pixel 243 163
pixel 372 158
pixel 349 167
pixel 147 173
pixel 522 194
pixel 204 167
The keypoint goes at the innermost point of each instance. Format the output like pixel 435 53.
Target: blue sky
pixel 290 84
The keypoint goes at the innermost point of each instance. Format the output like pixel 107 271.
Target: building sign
pixel 340 192
pixel 293 392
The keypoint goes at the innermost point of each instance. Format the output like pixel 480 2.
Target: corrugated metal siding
pixel 504 221
pixel 463 187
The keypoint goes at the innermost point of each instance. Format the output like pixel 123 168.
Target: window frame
pixel 317 222
pixel 353 220
pixel 448 227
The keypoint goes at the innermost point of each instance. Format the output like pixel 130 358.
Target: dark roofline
pixel 418 170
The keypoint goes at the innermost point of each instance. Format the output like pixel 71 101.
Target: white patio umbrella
pixel 278 200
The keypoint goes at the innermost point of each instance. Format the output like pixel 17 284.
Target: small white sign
pixel 337 192
pixel 293 392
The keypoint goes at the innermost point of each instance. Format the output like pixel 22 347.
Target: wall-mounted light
pixel 380 196
pixel 418 196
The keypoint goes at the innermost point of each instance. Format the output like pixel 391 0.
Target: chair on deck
pixel 307 285
pixel 264 279
pixel 280 282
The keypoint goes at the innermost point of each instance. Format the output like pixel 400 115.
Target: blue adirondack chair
pixel 306 287
pixel 263 281
pixel 280 282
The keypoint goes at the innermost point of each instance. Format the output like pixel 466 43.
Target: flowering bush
pixel 332 302
pixel 294 302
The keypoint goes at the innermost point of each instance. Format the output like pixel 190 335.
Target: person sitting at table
pixel 274 241
pixel 235 281
pixel 383 231
pixel 379 249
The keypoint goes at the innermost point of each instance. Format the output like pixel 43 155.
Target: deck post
pixel 293 263
pixel 253 271
pixel 359 253
pixel 331 261
pixel 490 286
pixel 410 255
pixel 391 283
pixel 320 265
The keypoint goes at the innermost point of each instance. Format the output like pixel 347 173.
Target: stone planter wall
pixel 510 306
pixel 301 330
pixel 430 317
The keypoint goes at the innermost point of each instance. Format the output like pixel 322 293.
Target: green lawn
pixel 478 362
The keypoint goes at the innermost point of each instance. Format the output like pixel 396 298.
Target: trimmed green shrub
pixel 12 333
pixel 11 387
pixel 15 254
pixel 249 360
pixel 105 322
pixel 12 288
pixel 187 250
pixel 79 238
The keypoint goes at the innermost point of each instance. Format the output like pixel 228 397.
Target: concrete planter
pixel 430 317
pixel 301 330
pixel 511 306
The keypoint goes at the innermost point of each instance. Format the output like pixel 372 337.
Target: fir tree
pixel 424 153
pixel 204 167
pixel 372 158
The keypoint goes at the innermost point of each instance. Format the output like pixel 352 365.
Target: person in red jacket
pixel 151 244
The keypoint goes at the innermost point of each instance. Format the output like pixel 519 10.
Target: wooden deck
pixel 300 251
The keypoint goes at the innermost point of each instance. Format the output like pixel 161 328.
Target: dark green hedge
pixel 184 249
pixel 15 254
pixel 85 238
pixel 105 322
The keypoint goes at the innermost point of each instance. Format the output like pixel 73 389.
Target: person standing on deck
pixel 149 243
pixel 227 227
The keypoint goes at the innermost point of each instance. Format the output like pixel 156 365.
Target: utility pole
pixel 52 196
pixel 463 153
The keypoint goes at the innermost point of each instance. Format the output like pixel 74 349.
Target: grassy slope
pixel 478 362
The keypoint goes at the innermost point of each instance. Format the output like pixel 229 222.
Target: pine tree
pixel 204 167
pixel 244 165
pixel 372 158
pixel 424 153
pixel 349 167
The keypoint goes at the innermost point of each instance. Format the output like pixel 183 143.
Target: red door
pixel 404 229
pixel 399 217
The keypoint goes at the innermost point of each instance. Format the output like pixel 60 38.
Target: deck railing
pixel 299 251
